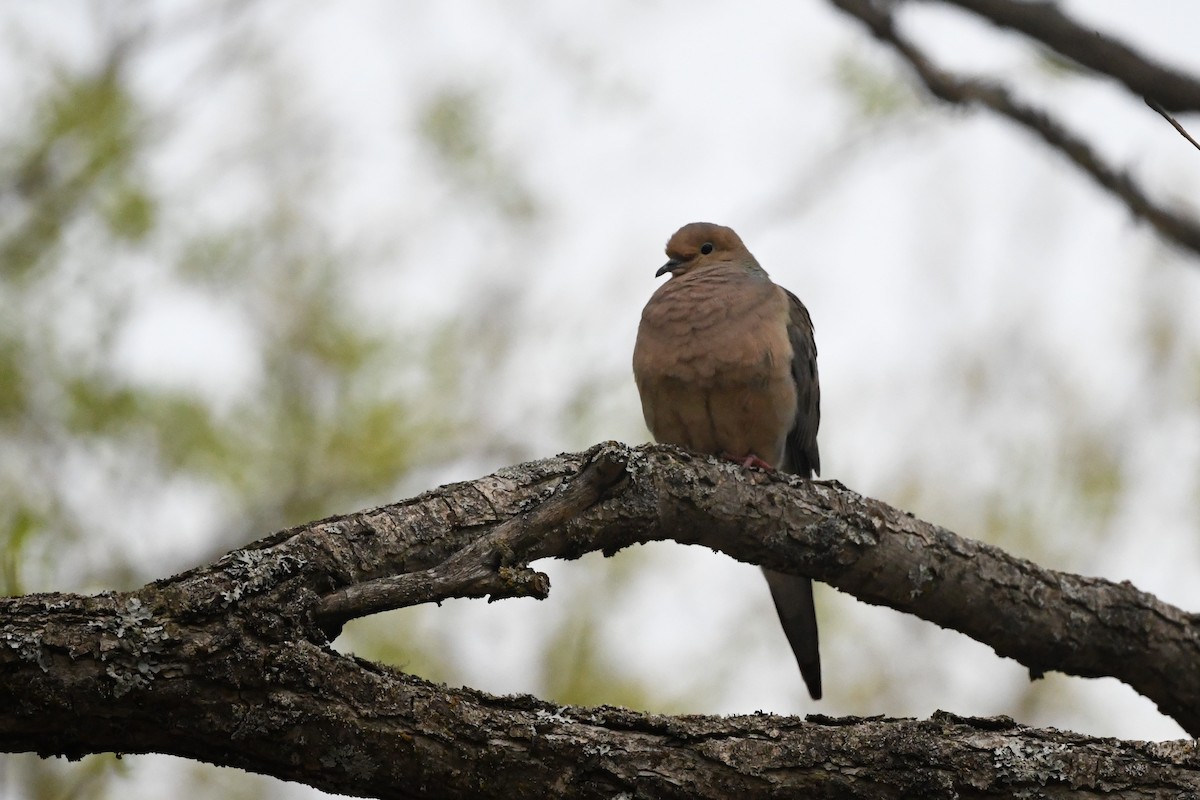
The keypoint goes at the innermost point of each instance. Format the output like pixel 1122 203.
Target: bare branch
pixel 336 724
pixel 1045 22
pixel 235 652
pixel 485 567
pixel 1174 226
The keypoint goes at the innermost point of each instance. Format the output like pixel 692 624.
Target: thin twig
pixel 1167 116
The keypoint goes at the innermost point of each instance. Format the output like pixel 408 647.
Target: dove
pixel 726 364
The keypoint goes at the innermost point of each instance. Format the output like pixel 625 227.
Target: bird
pixel 725 364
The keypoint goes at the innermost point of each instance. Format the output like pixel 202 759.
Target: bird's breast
pixel 713 367
pixel 701 329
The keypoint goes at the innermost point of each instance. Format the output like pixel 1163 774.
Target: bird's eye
pixel 706 248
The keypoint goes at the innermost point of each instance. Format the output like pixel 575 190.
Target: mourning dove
pixel 725 363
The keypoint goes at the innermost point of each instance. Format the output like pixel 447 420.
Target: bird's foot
pixel 749 461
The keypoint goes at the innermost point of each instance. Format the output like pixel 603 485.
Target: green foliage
pixel 403 639
pixel 579 668
pixel 878 93
pixel 453 125
pixel 88 780
pixel 12 378
pixel 1056 66
pixel 77 157
pixel 129 212
pixel 323 426
pixel 21 523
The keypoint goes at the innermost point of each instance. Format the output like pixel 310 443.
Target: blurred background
pixel 262 262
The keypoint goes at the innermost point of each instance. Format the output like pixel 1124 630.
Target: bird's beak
pixel 670 266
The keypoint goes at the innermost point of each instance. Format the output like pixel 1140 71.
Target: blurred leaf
pixel 12 379
pixel 878 92
pixel 579 669
pixel 82 145
pixel 452 123
pixel 21 523
pixel 129 213
pixel 1057 66
pixel 88 779
pixel 1094 473
pixel 98 407
pixel 400 638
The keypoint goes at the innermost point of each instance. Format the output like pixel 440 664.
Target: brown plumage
pixel 726 363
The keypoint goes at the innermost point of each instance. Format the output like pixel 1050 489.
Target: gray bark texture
pixel 231 664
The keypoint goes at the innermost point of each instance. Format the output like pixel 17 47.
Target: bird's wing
pixel 793 594
pixel 800 453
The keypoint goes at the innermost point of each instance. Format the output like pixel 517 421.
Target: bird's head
pixel 699 244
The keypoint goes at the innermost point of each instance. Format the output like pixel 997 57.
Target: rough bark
pixel 230 663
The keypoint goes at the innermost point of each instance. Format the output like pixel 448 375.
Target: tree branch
pixel 1162 112
pixel 229 663
pixel 475 570
pixel 1173 225
pixel 1046 23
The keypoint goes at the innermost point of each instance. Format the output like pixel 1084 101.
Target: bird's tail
pixel 793 598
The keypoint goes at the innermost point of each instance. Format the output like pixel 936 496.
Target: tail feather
pixel 793 596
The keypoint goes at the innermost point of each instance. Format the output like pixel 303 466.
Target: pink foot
pixel 749 461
